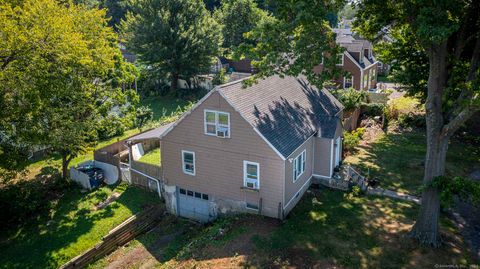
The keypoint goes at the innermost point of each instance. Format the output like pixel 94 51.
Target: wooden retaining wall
pixel 119 236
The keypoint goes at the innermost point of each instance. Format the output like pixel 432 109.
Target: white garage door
pixel 193 205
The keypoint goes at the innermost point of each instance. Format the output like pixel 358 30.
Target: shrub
pixel 24 199
pixel 220 78
pixel 352 139
pixel 110 126
pixel 373 109
pixel 351 98
pixel 143 115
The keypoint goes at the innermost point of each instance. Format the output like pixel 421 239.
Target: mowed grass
pixel 72 226
pixel 327 229
pixel 397 159
pixel 163 106
pixel 151 157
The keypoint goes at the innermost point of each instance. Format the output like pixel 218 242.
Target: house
pixel 255 149
pixel 357 60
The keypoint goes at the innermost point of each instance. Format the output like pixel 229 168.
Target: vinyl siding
pixel 323 155
pixel 291 188
pixel 219 161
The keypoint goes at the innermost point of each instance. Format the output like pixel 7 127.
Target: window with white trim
pixel 299 165
pixel 365 80
pixel 348 81
pixel 251 175
pixel 188 162
pixel 217 123
pixel 339 59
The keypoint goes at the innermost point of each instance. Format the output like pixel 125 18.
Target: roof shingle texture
pixel 286 111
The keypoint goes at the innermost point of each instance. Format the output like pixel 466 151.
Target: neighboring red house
pixel 357 60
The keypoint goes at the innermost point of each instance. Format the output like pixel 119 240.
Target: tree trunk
pixel 426 226
pixel 174 82
pixel 65 162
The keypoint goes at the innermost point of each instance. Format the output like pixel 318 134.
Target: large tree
pixel 237 17
pixel 448 34
pixel 174 38
pixel 57 66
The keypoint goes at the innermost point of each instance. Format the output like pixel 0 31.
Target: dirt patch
pixel 107 201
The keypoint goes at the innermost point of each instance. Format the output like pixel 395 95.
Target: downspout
pixel 152 178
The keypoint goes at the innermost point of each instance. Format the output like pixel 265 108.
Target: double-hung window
pixel 299 165
pixel 251 175
pixel 188 162
pixel 217 123
pixel 348 81
pixel 339 59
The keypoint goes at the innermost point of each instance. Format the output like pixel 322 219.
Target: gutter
pixel 152 178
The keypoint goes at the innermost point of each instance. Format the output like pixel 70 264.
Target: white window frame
pixel 217 124
pixel 322 59
pixel 183 163
pixel 341 64
pixel 245 175
pixel 302 157
pixel 365 81
pixel 360 57
pixel 345 81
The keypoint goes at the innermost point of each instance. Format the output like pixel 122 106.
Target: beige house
pixel 255 149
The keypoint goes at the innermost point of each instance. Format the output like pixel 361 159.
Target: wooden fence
pixel 351 122
pixel 151 170
pixel 118 236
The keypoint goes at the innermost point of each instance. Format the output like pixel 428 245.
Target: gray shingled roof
pixel 151 134
pixel 286 111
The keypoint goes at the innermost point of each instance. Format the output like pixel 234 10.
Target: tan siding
pixel 291 188
pixel 323 156
pixel 219 162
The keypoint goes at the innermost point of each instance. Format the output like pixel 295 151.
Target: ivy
pixel 449 188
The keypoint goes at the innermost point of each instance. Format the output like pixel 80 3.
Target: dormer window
pixel 217 123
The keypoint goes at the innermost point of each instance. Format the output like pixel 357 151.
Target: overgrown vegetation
pixel 351 98
pixel 352 139
pixel 152 157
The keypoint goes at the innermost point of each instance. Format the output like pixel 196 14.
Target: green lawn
pixel 152 157
pixel 163 106
pixel 327 229
pixel 398 160
pixel 71 227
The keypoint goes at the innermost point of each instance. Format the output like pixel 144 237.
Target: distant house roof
pixel 151 134
pixel 286 111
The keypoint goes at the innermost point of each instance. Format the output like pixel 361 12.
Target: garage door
pixel 193 205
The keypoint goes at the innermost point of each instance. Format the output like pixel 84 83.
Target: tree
pixel 57 65
pixel 448 33
pixel 347 12
pixel 237 17
pixel 178 39
pixel 294 41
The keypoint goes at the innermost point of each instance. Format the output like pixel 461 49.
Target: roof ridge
pixel 233 82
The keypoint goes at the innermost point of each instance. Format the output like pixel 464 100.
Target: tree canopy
pixel 295 40
pixel 57 68
pixel 447 34
pixel 173 38
pixel 236 18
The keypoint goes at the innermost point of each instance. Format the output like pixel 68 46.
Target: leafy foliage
pixel 144 115
pixel 463 188
pixel 351 98
pixel 352 139
pixel 175 39
pixel 237 17
pixel 220 78
pixel 294 41
pixel 57 70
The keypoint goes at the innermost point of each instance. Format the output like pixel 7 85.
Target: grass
pixel 163 106
pixel 398 160
pixel 72 226
pixel 327 229
pixel 152 157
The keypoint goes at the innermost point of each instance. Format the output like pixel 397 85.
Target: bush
pixel 144 114
pixel 373 109
pixel 220 78
pixel 110 126
pixel 351 98
pixel 24 199
pixel 352 139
